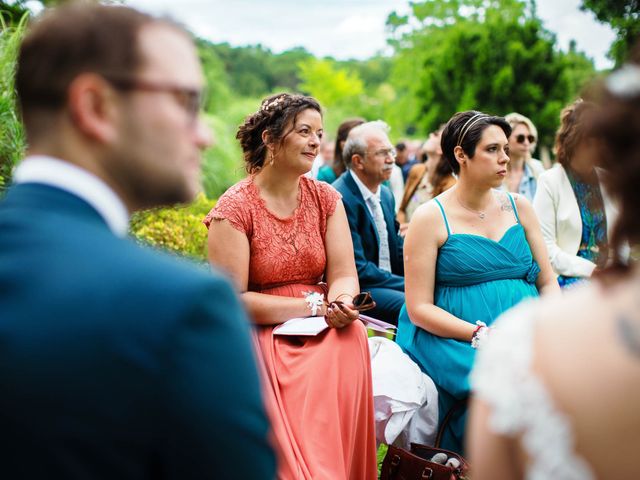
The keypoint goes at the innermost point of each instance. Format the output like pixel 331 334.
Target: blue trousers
pixel 388 304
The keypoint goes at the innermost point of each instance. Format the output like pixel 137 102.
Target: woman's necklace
pixel 481 213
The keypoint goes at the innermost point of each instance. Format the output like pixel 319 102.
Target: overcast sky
pixel 346 28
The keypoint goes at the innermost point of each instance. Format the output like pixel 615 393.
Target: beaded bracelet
pixel 479 334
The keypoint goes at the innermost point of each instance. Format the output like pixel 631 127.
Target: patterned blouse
pixel 594 241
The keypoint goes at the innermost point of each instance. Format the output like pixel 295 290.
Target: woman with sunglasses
pixel 470 254
pixel 280 235
pixel 522 170
pixel 575 212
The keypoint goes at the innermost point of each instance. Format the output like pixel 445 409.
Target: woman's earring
pixel 271 158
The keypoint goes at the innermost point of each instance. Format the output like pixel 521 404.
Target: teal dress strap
pixel 513 204
pixel 446 223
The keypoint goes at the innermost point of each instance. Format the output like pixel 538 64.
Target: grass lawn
pixel 382 451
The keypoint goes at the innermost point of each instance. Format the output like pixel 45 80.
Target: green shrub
pixel 12 141
pixel 178 229
pixel 222 163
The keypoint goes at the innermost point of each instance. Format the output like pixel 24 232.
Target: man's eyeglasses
pixel 188 98
pixel 521 138
pixel 385 152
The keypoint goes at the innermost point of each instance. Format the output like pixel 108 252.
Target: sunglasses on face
pixel 521 138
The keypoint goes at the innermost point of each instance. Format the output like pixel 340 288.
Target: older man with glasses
pixel 370 208
pixel 115 361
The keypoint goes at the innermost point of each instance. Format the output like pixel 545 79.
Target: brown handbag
pixel 399 464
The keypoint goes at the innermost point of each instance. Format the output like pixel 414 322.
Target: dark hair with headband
pixel 275 114
pixel 465 129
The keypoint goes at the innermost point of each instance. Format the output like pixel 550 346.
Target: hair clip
pixel 273 103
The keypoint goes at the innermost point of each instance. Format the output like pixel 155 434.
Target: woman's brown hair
pixel 575 123
pixel 277 115
pixel 618 126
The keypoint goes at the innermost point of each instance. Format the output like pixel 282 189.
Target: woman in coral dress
pixel 283 237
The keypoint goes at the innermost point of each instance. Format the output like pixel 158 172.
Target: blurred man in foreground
pixel 115 361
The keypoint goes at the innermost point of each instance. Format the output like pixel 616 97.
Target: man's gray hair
pixel 356 143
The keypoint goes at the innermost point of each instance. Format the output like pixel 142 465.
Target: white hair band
pixel 467 126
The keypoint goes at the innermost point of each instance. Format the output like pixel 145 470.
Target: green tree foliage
pixel 624 18
pixel 341 91
pixel 255 71
pixel 329 84
pixel 489 55
pixel 216 78
pixel 12 141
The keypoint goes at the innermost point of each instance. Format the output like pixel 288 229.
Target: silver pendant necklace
pixel 481 213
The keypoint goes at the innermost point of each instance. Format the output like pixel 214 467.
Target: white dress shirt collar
pixel 364 190
pixel 79 182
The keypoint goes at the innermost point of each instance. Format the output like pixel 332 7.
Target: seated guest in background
pixel 324 158
pixel 329 173
pixel 377 245
pixel 426 180
pixel 574 209
pixel 522 170
pixel 396 185
pixel 557 386
pixel 116 361
pixel 470 254
pixel 281 236
pixel 403 160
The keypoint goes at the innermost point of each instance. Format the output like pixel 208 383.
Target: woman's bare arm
pixel 546 281
pixel 425 235
pixel 229 250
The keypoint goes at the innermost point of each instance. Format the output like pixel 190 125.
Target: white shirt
pixel 372 200
pixel 365 192
pixel 396 184
pixel 79 182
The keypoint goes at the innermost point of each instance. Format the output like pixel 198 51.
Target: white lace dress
pixel 519 402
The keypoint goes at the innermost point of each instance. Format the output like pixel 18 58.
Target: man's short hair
pixel 68 41
pixel 356 143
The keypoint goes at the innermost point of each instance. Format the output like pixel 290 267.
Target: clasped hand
pixel 339 314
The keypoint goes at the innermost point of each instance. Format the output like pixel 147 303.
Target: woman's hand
pixel 339 314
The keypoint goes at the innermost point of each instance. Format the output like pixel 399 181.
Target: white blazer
pixel 559 215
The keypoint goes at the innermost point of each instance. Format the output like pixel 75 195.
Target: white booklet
pixel 311 326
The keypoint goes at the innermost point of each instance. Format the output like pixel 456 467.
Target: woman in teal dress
pixel 470 254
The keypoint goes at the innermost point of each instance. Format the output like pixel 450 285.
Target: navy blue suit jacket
pixel 364 235
pixel 117 361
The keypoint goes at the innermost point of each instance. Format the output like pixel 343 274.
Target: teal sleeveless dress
pixel 476 279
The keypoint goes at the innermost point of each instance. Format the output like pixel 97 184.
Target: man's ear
pixel 357 162
pixel 92 106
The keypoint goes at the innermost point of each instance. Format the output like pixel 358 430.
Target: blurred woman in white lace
pixel 557 386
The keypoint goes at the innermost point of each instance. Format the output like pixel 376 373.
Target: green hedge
pixel 179 229
pixel 12 141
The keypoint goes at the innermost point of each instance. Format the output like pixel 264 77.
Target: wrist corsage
pixel 479 334
pixel 314 301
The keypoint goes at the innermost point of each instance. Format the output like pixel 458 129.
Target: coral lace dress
pixel 318 389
